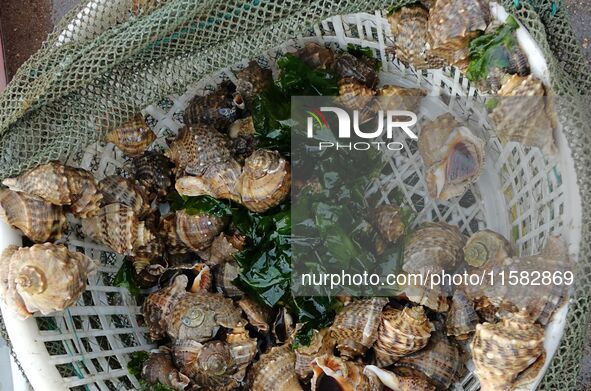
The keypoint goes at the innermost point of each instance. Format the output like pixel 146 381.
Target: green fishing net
pixel 122 55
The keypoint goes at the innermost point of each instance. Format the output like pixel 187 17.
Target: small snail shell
pixel 133 137
pixel 486 246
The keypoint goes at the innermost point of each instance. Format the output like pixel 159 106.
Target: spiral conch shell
pixel 60 185
pixel 453 156
pixel 462 317
pixel 400 382
pixel 45 278
pixel 452 24
pixel 355 328
pixel 501 351
pixel 198 316
pixel 275 371
pixel 334 373
pixel 525 113
pixel 486 246
pixel 322 343
pixel 124 191
pixel 210 365
pixel 401 333
pixel 218 180
pixel 216 109
pixel 198 231
pixel 265 180
pixel 133 137
pixel 159 368
pixel 153 172
pixel 440 361
pixel 117 226
pixel 159 304
pixel 389 222
pixel 39 220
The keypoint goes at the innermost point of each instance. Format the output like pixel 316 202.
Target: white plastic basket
pixel 87 347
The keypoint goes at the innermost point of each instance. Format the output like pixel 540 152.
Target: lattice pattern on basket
pixel 90 343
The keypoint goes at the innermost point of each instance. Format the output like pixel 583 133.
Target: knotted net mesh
pixel 121 55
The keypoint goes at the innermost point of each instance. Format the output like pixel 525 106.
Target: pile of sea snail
pixel 217 338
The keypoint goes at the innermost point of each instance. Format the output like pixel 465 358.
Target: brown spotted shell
pixel 258 315
pixel 198 316
pixel 223 248
pixel 462 317
pixel 348 66
pixel 355 95
pixel 453 157
pixel 401 332
pixel 42 278
pixel 502 350
pixel 330 371
pixel 409 26
pixel 275 371
pixel 60 185
pixel 525 113
pixel 133 137
pixel 210 365
pixel 39 220
pixel 389 222
pixel 198 147
pixel 452 24
pixel 124 191
pixel 433 247
pixel 158 305
pixel 118 227
pixel 355 327
pixel 225 274
pixel 153 172
pixel 159 368
pixel 540 303
pixel 252 81
pixel 265 181
pixel 149 275
pixel 440 361
pixel 216 109
pixel 321 343
pixel 199 230
pixel 400 98
pixel 317 56
pixel 486 246
pixel 400 382
pixel 218 180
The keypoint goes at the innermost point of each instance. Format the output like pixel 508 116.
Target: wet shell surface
pixel 317 56
pixel 453 157
pixel 409 26
pixel 275 371
pixel 526 114
pixel 355 327
pixel 452 24
pixel 252 81
pixel 540 303
pixel 199 230
pixel 43 278
pixel 198 147
pixel 199 276
pixel 399 382
pixel 198 316
pixel 153 171
pixel 116 189
pixel 39 220
pixel 257 315
pixel 334 373
pixel 265 180
pixel 133 137
pixel 349 66
pixel 210 365
pixel 433 247
pixel 216 109
pixel 224 247
pixel 440 361
pixel 503 350
pixel 60 185
pixel 159 368
pixel 218 180
pixel 401 332
pixel 486 246
pixel 355 95
pixel 158 305
pixel 462 317
pixel 321 344
pixel 118 227
pixel 389 223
